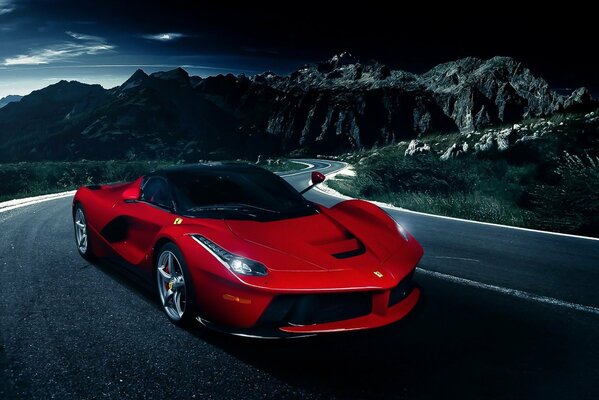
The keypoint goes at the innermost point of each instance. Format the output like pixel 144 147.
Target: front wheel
pixel 175 286
pixel 81 234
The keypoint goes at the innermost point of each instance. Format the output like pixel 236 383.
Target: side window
pixel 156 191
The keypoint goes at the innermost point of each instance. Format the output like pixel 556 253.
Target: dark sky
pixel 105 41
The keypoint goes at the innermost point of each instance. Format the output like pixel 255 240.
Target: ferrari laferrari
pixel 240 250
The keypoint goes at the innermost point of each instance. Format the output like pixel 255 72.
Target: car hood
pixel 315 242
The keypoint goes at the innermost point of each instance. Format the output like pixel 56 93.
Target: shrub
pixel 30 179
pixel 572 203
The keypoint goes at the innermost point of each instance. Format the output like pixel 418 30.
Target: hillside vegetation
pixel 543 173
pixel 32 179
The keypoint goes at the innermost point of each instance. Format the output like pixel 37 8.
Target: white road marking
pixel 18 203
pixel 510 292
pixel 457 258
pixel 518 228
pixel 302 171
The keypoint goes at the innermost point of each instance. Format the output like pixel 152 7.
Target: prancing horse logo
pixel 378 274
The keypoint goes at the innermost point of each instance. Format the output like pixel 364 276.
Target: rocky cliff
pixel 332 106
pixel 344 103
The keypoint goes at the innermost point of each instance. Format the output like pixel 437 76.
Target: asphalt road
pixel 499 320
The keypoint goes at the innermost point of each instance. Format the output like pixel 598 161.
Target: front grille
pixel 402 290
pixel 307 309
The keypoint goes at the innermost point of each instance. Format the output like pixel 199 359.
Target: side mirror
pixel 317 177
pixel 131 194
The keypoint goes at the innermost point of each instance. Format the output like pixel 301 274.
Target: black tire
pixel 85 251
pixel 163 286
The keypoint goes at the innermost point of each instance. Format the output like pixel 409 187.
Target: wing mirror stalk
pixel 316 178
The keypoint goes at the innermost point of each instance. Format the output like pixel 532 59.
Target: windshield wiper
pixel 234 207
pixel 243 205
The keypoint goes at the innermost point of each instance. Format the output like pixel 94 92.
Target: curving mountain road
pixel 507 314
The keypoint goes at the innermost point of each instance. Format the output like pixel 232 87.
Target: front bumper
pixel 310 314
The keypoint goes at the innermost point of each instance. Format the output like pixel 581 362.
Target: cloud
pixel 6 6
pixel 165 37
pixel 84 45
pixel 225 69
pixel 80 36
pixel 8 27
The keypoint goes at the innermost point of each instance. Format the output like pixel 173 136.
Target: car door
pixel 145 218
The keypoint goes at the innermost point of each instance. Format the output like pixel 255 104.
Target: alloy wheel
pixel 171 285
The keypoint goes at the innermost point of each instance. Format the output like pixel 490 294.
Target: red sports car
pixel 239 249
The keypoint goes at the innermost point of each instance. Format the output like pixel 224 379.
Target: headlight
pixel 402 231
pixel 236 264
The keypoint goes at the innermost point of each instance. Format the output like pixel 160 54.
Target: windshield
pixel 237 194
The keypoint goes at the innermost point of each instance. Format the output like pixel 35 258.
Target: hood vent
pixel 345 248
pixel 350 253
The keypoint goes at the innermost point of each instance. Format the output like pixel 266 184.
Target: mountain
pixel 148 117
pixel 336 105
pixel 345 103
pixel 9 99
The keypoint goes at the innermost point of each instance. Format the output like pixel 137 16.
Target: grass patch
pixel 32 179
pixel 484 190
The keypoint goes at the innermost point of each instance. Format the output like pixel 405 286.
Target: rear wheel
pixel 81 234
pixel 174 285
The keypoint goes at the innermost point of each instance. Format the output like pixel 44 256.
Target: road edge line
pixel 301 171
pixel 27 201
pixel 520 294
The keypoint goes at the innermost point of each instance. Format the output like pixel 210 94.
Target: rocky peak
pixel 579 98
pixel 503 62
pixel 134 80
pixel 11 98
pixel 265 77
pixel 177 74
pixel 138 75
pixel 163 79
pixel 339 60
pixel 453 68
pixel 467 70
pixel 336 62
pixel 65 89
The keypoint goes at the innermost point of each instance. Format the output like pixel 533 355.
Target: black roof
pixel 205 167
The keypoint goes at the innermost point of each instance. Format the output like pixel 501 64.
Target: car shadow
pixel 459 342
pixel 132 281
pixel 450 347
